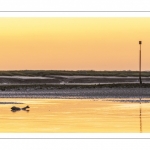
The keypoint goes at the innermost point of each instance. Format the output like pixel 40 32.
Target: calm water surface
pixel 75 115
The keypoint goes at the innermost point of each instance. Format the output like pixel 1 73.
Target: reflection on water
pixel 140 118
pixel 72 115
pixel 20 110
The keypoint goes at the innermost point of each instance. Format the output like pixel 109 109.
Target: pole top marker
pixel 140 42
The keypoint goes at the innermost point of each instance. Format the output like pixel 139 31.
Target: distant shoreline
pixel 45 73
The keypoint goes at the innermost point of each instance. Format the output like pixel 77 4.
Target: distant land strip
pixel 47 73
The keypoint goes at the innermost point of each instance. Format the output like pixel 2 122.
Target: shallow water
pixel 75 116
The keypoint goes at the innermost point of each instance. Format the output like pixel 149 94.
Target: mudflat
pixel 78 93
pixel 73 86
pixel 74 79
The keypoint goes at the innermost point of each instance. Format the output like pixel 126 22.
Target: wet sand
pixel 78 93
pixel 59 86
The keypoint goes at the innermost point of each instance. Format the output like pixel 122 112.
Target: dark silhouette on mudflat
pixel 14 108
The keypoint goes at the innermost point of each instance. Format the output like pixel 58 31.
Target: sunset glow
pixel 74 43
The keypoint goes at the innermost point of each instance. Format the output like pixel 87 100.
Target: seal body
pixel 15 108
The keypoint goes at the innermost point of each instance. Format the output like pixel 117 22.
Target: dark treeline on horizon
pixel 46 73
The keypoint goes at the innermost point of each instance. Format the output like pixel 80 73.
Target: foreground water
pixel 75 116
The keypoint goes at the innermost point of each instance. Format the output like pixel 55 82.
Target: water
pixel 75 116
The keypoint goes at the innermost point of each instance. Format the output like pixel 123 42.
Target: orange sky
pixel 74 43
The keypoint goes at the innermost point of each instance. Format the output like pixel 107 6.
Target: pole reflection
pixel 140 116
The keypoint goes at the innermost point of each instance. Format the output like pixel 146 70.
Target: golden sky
pixel 74 43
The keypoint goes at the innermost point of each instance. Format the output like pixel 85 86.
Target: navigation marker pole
pixel 140 42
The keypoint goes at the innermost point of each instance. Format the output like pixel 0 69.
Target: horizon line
pixel 68 70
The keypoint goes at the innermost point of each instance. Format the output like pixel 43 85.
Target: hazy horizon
pixel 74 43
